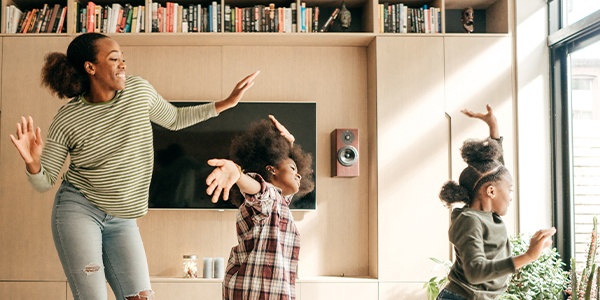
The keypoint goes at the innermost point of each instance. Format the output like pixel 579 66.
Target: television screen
pixel 180 168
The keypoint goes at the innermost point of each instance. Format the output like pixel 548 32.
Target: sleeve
pixel 263 201
pixel 467 237
pixel 169 116
pixel 52 160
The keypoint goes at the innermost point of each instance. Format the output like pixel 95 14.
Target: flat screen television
pixel 180 168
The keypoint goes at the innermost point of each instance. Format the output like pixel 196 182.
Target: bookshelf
pixel 491 16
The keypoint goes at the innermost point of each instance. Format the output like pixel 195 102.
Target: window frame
pixel 561 42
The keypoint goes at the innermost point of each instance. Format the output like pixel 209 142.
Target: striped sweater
pixel 110 146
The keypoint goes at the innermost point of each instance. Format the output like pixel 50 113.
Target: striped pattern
pixel 110 145
pixel 263 265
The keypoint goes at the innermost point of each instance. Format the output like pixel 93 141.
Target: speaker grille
pixel 347 155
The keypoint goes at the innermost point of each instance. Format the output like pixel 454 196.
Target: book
pixel 16 15
pixel 294 17
pixel 43 17
pixel 61 21
pixel 56 19
pixel 128 19
pixel 134 19
pixel 91 20
pixel 154 7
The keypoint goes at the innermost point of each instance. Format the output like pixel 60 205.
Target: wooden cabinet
pixel 422 84
pixel 403 92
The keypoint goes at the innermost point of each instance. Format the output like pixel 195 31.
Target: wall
pixel 334 238
pixel 534 172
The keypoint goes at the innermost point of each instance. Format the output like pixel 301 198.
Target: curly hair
pixel 485 164
pixel 262 145
pixel 64 74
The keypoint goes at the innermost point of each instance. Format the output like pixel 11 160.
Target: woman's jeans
pixel 448 295
pixel 95 247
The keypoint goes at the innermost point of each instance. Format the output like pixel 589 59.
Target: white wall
pixel 533 116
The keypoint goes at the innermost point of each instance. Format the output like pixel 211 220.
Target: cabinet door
pixel 33 290
pixel 479 72
pixel 412 142
pixel 26 239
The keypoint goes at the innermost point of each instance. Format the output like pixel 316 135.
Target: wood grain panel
pixel 33 290
pixel 412 141
pixel 27 247
pixel 479 72
pixel 334 237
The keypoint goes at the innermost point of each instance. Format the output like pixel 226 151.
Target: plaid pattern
pixel 263 265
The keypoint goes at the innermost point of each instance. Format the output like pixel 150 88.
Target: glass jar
pixel 190 266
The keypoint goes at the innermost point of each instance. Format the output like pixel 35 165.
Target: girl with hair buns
pixel 263 265
pixel 105 129
pixel 483 262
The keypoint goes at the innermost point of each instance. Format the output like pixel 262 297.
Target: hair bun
pixel 478 151
pixel 452 192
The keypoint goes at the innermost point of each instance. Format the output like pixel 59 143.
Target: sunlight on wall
pixel 533 119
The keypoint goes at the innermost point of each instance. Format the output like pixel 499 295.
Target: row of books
pixel 48 19
pixel 261 18
pixel 399 18
pixel 113 18
pixel 175 17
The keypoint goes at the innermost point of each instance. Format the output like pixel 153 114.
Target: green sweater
pixel 483 262
pixel 110 146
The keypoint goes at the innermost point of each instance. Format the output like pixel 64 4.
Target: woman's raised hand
pixel 237 93
pixel 29 143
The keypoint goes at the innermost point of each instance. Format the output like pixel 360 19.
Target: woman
pixel 105 129
pixel 264 263
pixel 484 261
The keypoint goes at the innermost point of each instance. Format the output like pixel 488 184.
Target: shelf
pixel 491 16
pixel 245 39
pixel 308 279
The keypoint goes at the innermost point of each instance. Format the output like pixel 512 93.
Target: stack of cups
pixel 214 267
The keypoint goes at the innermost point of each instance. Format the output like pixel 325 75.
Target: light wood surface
pixel 412 139
pixel 396 89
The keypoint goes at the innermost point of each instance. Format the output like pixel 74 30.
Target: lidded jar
pixel 190 266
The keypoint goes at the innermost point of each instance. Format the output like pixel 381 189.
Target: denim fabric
pixel 448 295
pixel 95 247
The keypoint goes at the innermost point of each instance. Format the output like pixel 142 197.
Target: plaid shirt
pixel 264 263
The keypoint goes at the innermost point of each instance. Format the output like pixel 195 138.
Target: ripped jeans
pixel 95 247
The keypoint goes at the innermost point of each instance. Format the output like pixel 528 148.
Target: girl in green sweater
pixel 484 262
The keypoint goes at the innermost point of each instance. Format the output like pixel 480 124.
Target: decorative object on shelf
pixel 207 271
pixel 219 267
pixel 329 21
pixel 345 17
pixel 467 19
pixel 190 266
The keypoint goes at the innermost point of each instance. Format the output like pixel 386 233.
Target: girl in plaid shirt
pixel 263 265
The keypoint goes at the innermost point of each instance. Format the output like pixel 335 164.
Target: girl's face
pixel 502 195
pixel 108 72
pixel 285 176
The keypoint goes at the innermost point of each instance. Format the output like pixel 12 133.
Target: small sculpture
pixel 345 17
pixel 467 19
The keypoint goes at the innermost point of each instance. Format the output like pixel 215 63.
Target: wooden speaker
pixel 344 156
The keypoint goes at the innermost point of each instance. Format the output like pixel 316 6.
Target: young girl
pixel 263 265
pixel 483 256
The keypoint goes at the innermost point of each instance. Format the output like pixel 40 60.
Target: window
pixel 575 67
pixel 576 10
